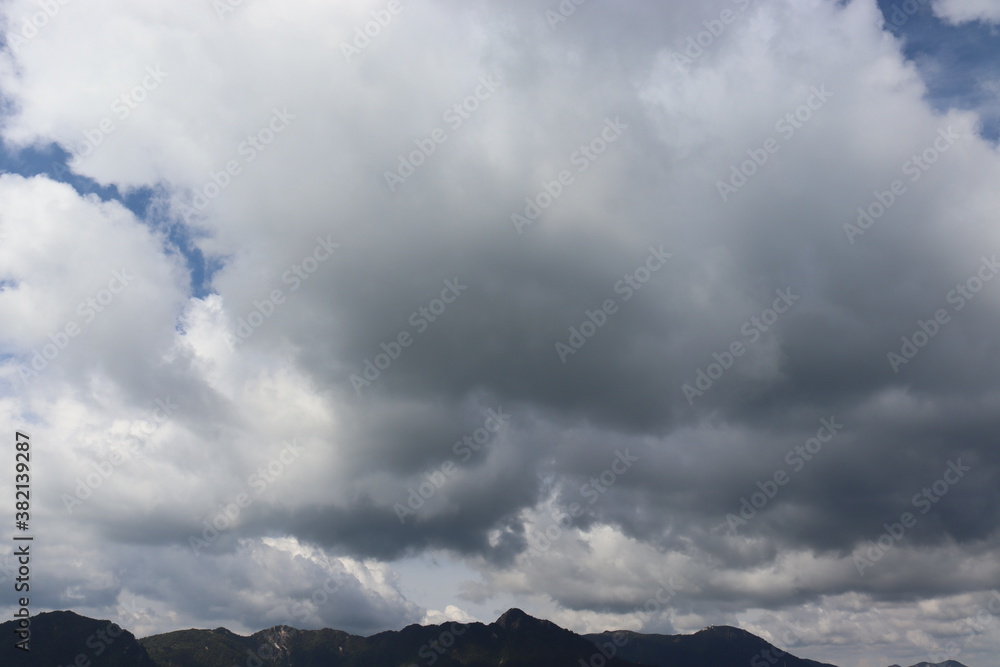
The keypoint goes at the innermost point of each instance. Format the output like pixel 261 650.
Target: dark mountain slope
pixel 717 646
pixel 514 640
pixel 66 638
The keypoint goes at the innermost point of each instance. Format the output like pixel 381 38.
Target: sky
pixel 634 316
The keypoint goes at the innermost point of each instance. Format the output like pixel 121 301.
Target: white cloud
pixel 964 11
pixel 450 613
pixel 320 179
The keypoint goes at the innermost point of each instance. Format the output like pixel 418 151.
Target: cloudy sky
pixel 363 314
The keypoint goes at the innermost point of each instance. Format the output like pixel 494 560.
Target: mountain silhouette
pixel 717 645
pixel 66 638
pixel 515 639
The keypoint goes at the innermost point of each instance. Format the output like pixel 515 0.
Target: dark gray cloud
pixel 668 350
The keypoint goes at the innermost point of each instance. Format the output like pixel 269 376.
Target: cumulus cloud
pixel 963 11
pixel 742 223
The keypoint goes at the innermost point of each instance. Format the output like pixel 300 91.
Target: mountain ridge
pixel 514 639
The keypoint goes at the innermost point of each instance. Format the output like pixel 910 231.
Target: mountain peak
pixel 726 631
pixel 515 618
